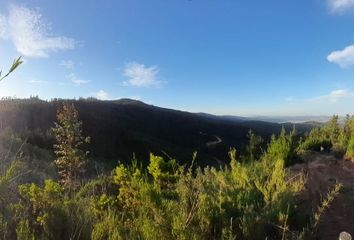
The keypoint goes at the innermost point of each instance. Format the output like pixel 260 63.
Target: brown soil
pixel 322 174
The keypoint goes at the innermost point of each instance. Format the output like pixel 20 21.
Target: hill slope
pixel 122 127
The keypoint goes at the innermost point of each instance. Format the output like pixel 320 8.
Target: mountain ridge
pixel 120 128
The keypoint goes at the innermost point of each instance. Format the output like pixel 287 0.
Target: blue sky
pixel 245 58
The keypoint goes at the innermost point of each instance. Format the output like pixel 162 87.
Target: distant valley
pixel 124 127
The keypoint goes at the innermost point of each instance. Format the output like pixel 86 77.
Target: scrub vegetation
pixel 251 196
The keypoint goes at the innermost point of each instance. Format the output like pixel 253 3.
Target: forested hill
pixel 122 127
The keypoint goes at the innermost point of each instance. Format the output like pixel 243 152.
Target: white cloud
pixel 77 81
pixel 141 76
pixel 135 97
pixel 344 58
pixel 340 5
pixel 289 99
pixel 3 27
pixel 334 96
pixel 68 64
pixel 102 95
pixel 339 93
pixel 30 34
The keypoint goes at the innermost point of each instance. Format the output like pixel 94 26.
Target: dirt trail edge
pixel 323 172
pixel 213 143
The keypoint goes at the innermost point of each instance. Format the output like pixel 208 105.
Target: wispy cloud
pixel 334 96
pixel 75 80
pixel 134 97
pixel 340 5
pixel 337 101
pixel 290 99
pixel 37 81
pixel 68 64
pixel 141 76
pixel 3 27
pixel 102 95
pixel 344 58
pixel 30 33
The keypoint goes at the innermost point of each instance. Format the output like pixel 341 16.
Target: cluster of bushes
pixel 164 201
pixel 250 198
pixel 333 136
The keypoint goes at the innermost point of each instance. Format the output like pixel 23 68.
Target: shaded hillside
pixel 123 127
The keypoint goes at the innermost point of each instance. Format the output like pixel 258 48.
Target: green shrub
pixel 108 228
pixel 282 147
pixel 350 148
pixel 316 141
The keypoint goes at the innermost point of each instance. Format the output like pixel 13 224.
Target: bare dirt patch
pixel 322 174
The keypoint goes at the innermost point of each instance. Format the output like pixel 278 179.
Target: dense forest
pixel 122 127
pixel 252 195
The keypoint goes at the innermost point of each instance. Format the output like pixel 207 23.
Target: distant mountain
pixel 122 127
pixel 224 117
pixel 293 119
pixel 272 119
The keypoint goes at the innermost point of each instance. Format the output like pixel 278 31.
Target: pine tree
pixel 332 130
pixel 70 159
pixel 254 146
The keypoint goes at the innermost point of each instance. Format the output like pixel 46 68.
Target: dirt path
pixel 323 173
pixel 213 143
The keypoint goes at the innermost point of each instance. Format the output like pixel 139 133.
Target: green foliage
pixel 325 204
pixel 108 228
pixel 70 158
pixel 208 203
pixel 332 130
pixel 253 149
pixel 282 147
pixel 7 179
pixel 331 135
pixel 48 213
pixel 340 139
pixel 165 174
pixel 17 62
pixel 245 200
pixel 265 194
pixel 316 141
pixel 3 227
pixel 350 148
pixel 23 231
pixel 42 209
pixel 347 137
